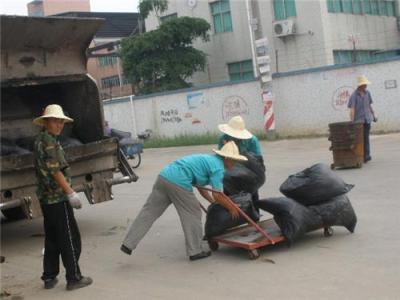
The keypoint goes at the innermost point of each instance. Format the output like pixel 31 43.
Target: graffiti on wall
pixel 170 116
pixel 234 106
pixel 341 98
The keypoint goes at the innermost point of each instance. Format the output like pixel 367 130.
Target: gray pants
pixel 163 194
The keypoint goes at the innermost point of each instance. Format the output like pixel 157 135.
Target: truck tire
pixel 14 214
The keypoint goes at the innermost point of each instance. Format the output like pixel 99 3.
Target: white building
pixel 302 34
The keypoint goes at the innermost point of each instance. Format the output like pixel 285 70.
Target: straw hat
pixel 52 111
pixel 362 80
pixel 230 150
pixel 236 128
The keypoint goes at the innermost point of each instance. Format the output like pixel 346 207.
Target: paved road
pixel 363 265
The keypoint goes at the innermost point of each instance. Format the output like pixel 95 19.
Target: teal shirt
pixel 250 145
pixel 197 169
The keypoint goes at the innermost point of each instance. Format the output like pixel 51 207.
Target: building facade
pixel 106 67
pixel 40 8
pixel 302 34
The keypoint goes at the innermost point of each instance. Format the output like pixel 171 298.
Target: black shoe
pixel 73 285
pixel 367 159
pixel 50 283
pixel 200 255
pixel 126 250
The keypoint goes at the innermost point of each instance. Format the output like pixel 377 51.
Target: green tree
pixel 162 59
pixel 158 6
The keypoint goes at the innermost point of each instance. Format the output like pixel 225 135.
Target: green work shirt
pixel 250 145
pixel 49 158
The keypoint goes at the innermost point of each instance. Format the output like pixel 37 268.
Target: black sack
pixel 119 134
pixel 337 212
pixel 246 176
pixel 293 219
pixel 219 219
pixel 314 185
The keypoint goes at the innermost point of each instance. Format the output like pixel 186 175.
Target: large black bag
pixel 314 185
pixel 246 176
pixel 219 219
pixel 337 211
pixel 293 219
pixel 119 134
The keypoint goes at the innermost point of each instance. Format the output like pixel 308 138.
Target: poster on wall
pixel 196 100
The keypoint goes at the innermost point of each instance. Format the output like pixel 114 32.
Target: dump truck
pixel 43 61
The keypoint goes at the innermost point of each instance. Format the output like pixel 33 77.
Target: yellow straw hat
pixel 52 111
pixel 236 128
pixel 230 150
pixel 362 80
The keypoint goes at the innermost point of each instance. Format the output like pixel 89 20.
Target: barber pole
pixel 269 117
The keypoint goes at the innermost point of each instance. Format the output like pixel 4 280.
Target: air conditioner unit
pixel 284 28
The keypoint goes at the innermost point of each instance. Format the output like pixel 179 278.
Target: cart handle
pixel 243 214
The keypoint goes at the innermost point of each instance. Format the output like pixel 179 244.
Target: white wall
pixel 304 103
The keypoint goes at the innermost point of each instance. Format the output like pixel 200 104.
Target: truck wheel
pixel 136 159
pixel 14 214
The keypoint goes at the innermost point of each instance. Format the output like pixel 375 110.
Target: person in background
pixel 360 104
pixel 57 198
pixel 174 185
pixel 236 131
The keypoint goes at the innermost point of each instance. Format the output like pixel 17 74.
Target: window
pixel 241 70
pixel 221 14
pixel 107 61
pixel 370 7
pixel 350 56
pixel 284 9
pixel 109 82
pixel 168 17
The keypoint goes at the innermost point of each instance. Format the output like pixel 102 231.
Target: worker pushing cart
pixel 174 185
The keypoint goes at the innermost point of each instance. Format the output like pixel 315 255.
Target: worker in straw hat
pixel 235 130
pixel 57 198
pixel 174 185
pixel 360 104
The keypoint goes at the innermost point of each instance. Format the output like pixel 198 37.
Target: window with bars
pixel 284 9
pixel 241 70
pixel 109 82
pixel 107 61
pixel 166 18
pixel 357 7
pixel 221 15
pixel 350 56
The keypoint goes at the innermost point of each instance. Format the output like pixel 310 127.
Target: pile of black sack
pixel 123 137
pixel 247 176
pixel 25 145
pixel 219 219
pixel 315 198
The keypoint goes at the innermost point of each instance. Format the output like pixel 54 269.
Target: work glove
pixel 74 200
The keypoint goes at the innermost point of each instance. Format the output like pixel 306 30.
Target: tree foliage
pixel 164 58
pixel 158 6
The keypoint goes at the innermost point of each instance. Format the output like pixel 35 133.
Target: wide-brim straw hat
pixel 231 151
pixel 236 128
pixel 52 111
pixel 362 80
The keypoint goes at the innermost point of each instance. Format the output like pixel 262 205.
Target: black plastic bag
pixel 293 219
pixel 219 219
pixel 314 185
pixel 246 176
pixel 119 134
pixel 67 142
pixel 337 212
pixel 8 147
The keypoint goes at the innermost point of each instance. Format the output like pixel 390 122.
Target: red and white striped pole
pixel 269 116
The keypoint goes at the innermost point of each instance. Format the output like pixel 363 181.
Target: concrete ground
pixel 363 265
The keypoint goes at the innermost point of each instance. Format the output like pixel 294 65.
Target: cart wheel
pixel 213 245
pixel 253 254
pixel 328 231
pixel 136 159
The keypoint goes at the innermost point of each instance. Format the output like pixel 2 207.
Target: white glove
pixel 74 200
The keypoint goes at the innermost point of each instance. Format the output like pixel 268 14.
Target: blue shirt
pixel 361 105
pixel 250 145
pixel 197 169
